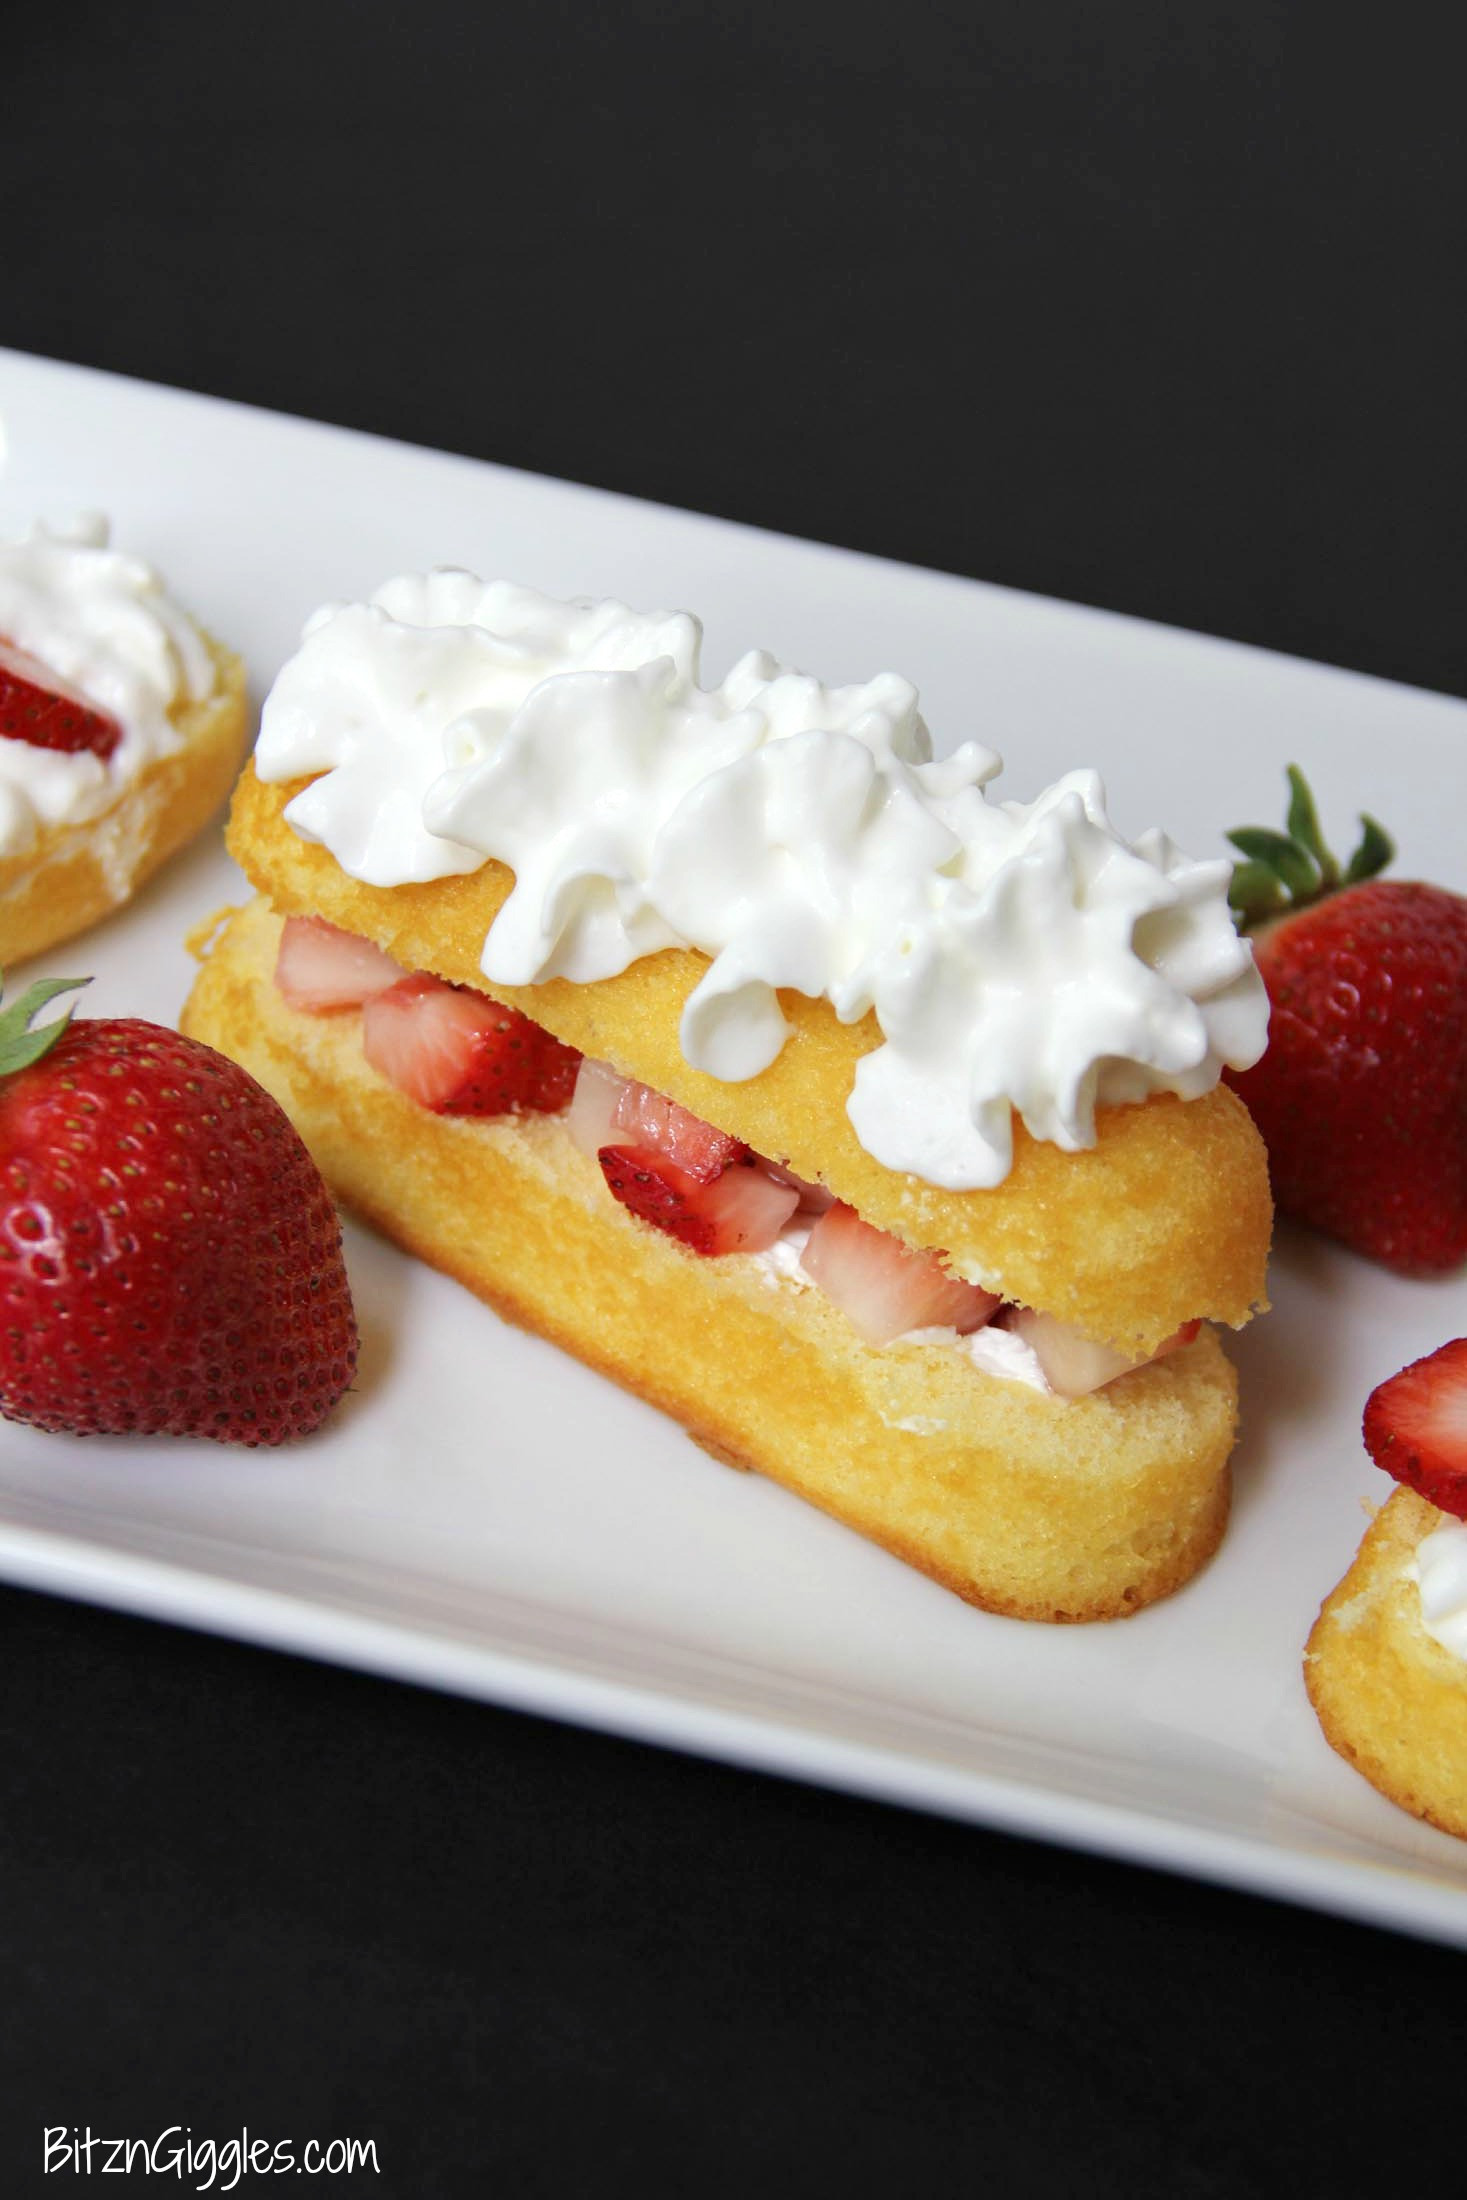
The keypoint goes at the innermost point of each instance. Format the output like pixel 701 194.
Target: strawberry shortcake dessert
pixel 1386 1664
pixel 122 725
pixel 871 1127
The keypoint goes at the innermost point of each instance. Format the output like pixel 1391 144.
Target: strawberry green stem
pixel 1288 871
pixel 20 1043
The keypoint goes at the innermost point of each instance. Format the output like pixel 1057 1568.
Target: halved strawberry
pixel 1075 1364
pixel 1416 1427
pixel 38 706
pixel 739 1211
pixel 320 967
pixel 457 1053
pixel 886 1288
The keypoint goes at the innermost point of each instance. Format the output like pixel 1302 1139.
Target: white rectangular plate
pixel 486 1516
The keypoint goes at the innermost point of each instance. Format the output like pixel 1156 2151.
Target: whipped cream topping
pixel 101 621
pixel 1019 958
pixel 1439 1569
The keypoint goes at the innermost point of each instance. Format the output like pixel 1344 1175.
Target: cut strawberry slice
pixel 814 1198
pixel 320 967
pixel 457 1053
pixel 1075 1364
pixel 740 1211
pixel 648 1120
pixel 557 1069
pixel 886 1288
pixel 38 706
pixel 1416 1427
pixel 591 1119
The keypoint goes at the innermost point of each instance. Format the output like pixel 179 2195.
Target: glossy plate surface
pixel 487 1516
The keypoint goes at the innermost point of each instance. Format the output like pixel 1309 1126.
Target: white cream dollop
pixel 101 621
pixel 1018 958
pixel 1439 1569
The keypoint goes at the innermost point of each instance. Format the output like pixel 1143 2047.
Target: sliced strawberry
pixel 457 1053
pixel 591 1119
pixel 1075 1364
pixel 886 1288
pixel 648 1120
pixel 814 1198
pixel 740 1211
pixel 38 706
pixel 1416 1427
pixel 320 967
pixel 556 1072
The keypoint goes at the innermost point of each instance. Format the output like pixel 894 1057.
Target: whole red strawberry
pixel 1361 1096
pixel 170 1260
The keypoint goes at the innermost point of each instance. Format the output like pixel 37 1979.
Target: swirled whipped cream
pixel 1439 1570
pixel 101 621
pixel 1019 958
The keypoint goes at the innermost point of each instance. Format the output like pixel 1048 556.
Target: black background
pixel 1157 307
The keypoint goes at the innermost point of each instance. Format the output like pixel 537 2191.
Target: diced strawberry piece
pixel 1075 1364
pixel 739 1211
pixel 558 1068
pixel 886 1288
pixel 647 1119
pixel 457 1053
pixel 427 1038
pixel 320 967
pixel 814 1198
pixel 591 1119
pixel 1416 1427
pixel 38 706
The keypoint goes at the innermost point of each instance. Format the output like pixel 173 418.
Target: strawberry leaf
pixel 1373 854
pixel 1303 826
pixel 1255 892
pixel 1291 864
pixel 20 1043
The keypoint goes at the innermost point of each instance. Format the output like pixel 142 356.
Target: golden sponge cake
pixel 1390 1699
pixel 1024 1503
